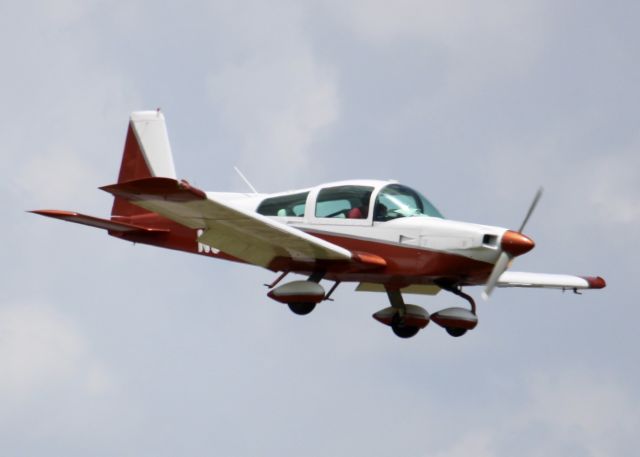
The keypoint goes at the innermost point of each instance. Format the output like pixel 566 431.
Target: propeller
pixel 513 244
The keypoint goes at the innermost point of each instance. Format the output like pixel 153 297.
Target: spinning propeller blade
pixel 534 203
pixel 513 244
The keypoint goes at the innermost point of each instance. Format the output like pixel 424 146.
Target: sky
pixel 107 348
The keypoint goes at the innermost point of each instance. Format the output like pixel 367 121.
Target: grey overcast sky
pixel 112 349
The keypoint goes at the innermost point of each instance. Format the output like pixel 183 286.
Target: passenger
pixel 355 213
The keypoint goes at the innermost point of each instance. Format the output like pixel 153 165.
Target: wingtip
pixel 595 282
pixel 53 212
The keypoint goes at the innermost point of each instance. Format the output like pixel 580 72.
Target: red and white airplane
pixel 382 235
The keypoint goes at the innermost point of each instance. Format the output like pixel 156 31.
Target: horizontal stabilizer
pixel 106 224
pixel 150 189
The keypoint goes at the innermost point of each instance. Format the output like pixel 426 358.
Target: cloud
pixel 601 186
pixel 591 411
pixel 42 352
pixel 614 189
pixel 277 108
pixel 275 95
pixel 57 174
pixel 570 411
pixel 476 40
pixel 57 393
pixel 476 443
pixel 67 98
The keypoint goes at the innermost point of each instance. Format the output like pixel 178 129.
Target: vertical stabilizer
pixel 147 153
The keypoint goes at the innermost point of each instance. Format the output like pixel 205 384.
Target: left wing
pixel 243 234
pixel 549 281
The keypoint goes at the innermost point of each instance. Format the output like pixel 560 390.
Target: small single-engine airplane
pixel 380 234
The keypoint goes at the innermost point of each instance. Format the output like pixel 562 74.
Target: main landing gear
pixel 407 320
pixel 300 296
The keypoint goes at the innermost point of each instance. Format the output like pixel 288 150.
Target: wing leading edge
pixel 243 234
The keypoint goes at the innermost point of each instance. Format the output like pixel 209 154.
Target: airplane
pixel 382 235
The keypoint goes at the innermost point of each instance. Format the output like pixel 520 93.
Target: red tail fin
pixel 147 154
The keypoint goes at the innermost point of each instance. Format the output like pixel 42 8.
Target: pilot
pixel 380 212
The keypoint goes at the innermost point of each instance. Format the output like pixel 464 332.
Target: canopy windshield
pixel 395 201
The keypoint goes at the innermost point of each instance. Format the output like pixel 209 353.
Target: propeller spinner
pixel 512 245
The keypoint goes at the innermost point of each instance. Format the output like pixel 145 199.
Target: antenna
pixel 244 178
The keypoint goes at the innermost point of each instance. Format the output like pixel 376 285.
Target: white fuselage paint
pixel 421 232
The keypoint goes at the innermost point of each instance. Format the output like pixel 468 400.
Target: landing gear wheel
pixel 401 329
pixel 456 332
pixel 404 331
pixel 301 309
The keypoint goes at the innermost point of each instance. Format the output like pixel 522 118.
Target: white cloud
pixel 63 103
pixel 614 187
pixel 573 412
pixel 593 411
pixel 602 187
pixel 56 175
pixel 277 108
pixel 41 352
pixel 476 443
pixel 478 40
pixel 275 96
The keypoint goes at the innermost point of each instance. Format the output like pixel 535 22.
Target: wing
pixel 549 281
pixel 243 234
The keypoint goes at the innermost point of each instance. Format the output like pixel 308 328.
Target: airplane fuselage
pixel 417 248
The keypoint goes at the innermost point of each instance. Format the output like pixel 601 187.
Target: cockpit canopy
pixel 352 201
pixel 395 201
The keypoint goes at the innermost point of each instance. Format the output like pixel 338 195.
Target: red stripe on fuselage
pixel 413 264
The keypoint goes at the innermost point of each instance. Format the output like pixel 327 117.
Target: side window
pixel 284 205
pixel 350 202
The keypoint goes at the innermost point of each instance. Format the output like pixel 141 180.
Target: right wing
pixel 246 235
pixel 549 281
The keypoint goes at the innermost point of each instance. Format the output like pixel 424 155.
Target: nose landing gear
pixel 456 321
pixel 405 320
